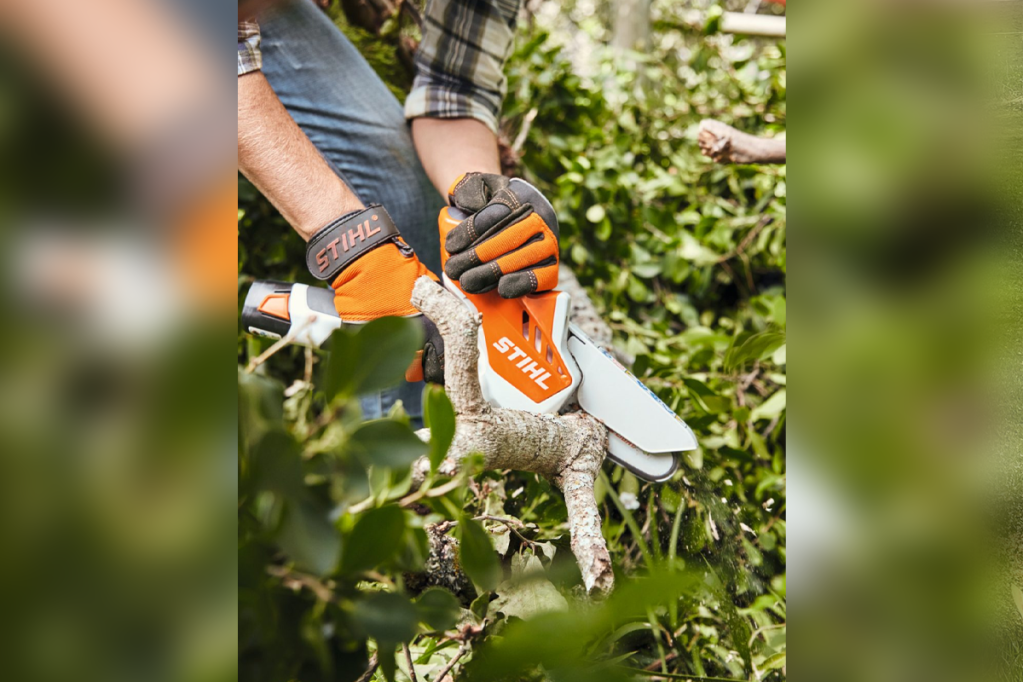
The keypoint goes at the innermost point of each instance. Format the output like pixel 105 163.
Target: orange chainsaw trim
pixel 517 332
pixel 277 306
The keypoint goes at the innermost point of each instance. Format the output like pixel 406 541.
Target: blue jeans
pixel 359 126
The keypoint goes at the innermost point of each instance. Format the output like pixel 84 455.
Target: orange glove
pixel 510 241
pixel 372 271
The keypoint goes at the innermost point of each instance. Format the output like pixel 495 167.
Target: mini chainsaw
pixel 531 358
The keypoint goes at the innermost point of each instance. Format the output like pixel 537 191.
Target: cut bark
pixel 767 25
pixel 724 144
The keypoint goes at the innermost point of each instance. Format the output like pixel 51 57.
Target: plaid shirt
pixel 249 56
pixel 459 64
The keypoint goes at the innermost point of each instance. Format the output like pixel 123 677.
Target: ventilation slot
pixel 536 338
pixel 550 354
pixel 525 325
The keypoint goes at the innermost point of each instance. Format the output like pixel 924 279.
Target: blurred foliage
pixel 686 260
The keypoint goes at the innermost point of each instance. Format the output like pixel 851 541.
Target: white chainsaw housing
pixel 498 391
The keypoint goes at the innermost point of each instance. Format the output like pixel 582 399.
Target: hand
pixel 510 240
pixel 372 271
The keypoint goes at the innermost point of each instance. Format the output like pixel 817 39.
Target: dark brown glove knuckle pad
pixel 458 239
pixel 481 279
pixel 460 263
pixel 485 223
pixel 517 284
pixel 476 189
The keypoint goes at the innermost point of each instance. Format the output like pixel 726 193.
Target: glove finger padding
pixel 433 353
pixel 514 236
pixel 472 191
pixel 429 362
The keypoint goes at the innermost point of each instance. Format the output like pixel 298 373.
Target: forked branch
pixel 567 449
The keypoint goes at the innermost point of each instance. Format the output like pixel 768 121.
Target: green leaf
pixel 478 556
pixel 438 608
pixel 385 656
pixel 386 443
pixel 387 617
pixel 373 358
pixel 479 605
pixel 595 213
pixel 260 408
pixel 375 539
pixel 775 662
pixel 770 408
pixel 579 254
pixel 309 538
pixel 439 416
pixel 277 465
pixel 706 398
pixel 755 347
pixel 646 270
pixel 637 290
pixel 342 365
pixel 529 592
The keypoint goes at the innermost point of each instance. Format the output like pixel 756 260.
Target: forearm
pixel 449 147
pixel 277 157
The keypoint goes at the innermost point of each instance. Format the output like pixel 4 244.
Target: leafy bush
pixel 686 259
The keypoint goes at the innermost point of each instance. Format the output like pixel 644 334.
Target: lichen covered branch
pixel 567 449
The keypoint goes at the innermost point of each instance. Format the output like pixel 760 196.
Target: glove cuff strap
pixel 335 246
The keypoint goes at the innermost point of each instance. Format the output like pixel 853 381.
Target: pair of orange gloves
pixel 509 241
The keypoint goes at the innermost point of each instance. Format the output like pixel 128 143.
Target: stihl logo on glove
pixel 366 229
pixel 527 365
pixel 350 236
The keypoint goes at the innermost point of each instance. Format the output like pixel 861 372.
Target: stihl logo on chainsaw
pixel 527 365
pixel 366 229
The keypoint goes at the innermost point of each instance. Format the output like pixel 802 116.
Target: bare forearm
pixel 277 157
pixel 449 147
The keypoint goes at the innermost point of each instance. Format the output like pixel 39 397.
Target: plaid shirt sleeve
pixel 249 56
pixel 460 62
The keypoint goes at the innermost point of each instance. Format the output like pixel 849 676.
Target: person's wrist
pixel 323 213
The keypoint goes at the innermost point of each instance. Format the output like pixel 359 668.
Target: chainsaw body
pixel 530 336
pixel 531 359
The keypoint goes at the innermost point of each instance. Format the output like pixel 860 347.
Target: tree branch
pixel 567 449
pixel 725 144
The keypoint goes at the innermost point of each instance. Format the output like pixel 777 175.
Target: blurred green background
pixel 905 467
